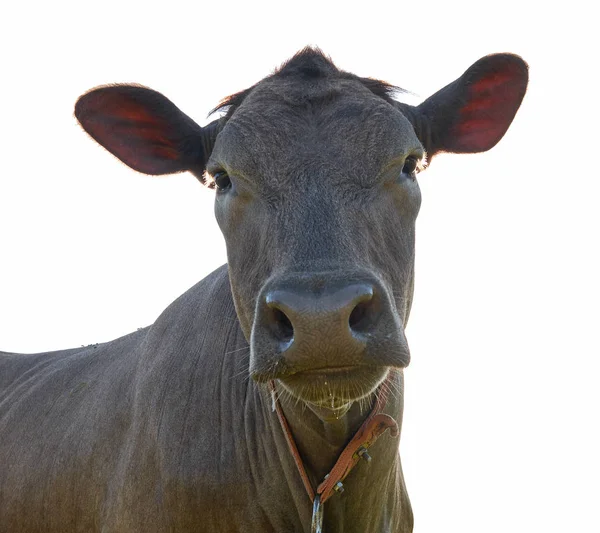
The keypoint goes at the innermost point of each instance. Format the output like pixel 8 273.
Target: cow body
pixel 162 430
pixel 173 428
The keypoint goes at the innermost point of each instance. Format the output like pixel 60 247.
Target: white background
pixel 502 402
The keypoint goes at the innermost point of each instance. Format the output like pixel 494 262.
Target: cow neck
pixel 371 429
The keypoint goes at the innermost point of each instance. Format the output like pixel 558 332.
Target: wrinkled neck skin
pixel 205 452
pixel 374 497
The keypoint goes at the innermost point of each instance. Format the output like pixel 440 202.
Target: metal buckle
pixel 363 453
pixel 316 525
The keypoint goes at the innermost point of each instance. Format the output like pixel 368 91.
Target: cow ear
pixel 473 112
pixel 145 130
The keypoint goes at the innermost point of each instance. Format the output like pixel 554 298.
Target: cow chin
pixel 335 388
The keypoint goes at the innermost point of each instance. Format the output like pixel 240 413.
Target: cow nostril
pixel 361 317
pixel 282 326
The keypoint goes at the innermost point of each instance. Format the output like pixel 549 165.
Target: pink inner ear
pixel 492 102
pixel 120 107
pixel 139 137
pixel 131 121
pixel 493 80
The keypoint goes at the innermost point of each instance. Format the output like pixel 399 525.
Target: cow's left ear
pixel 145 130
pixel 473 112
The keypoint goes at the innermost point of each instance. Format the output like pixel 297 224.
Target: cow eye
pixel 222 181
pixel 410 167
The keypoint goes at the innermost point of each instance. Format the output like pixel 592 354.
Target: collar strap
pixel 372 428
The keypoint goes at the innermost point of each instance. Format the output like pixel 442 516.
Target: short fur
pixel 163 429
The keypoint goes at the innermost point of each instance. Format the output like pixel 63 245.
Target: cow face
pixel 317 198
pixel 315 172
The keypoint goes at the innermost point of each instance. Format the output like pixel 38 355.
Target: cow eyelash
pixel 412 166
pixel 221 181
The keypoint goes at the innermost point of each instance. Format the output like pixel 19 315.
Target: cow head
pixel 315 172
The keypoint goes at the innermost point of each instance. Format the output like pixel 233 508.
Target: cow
pixel 269 396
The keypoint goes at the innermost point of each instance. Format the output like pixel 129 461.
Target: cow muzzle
pixel 320 329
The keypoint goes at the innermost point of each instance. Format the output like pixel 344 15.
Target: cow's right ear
pixel 145 130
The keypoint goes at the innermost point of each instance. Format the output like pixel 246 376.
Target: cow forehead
pixel 283 126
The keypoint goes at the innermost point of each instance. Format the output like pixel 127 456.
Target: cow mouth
pixel 335 387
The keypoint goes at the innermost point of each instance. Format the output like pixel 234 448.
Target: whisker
pixel 237 350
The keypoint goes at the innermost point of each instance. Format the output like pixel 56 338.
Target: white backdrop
pixel 502 402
